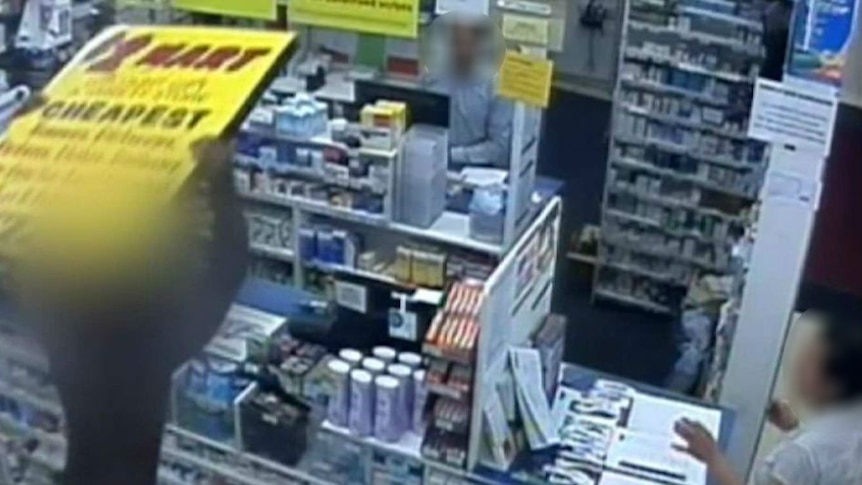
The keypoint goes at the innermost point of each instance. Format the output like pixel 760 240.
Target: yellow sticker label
pixel 120 119
pixel 526 78
pixel 397 18
pixel 521 28
pixel 257 9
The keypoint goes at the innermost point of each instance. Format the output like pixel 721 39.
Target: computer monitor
pixel 425 107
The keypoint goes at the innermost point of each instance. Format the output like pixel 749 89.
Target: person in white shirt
pixel 826 450
pixel 480 120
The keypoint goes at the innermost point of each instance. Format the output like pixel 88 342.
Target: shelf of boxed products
pixel 720 12
pixel 676 255
pixel 677 149
pixel 631 81
pixel 450 345
pixel 690 123
pixel 315 174
pixel 450 228
pixel 664 227
pixel 610 294
pixel 644 54
pixel 635 269
pixel 699 181
pixel 672 202
pixel 751 49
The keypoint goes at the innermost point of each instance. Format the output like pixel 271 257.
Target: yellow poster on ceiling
pixel 116 127
pixel 256 9
pixel 397 18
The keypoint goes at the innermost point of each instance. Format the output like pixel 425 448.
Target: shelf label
pixel 526 78
pixel 352 296
pixel 792 115
pixel 256 9
pixel 397 18
pixel 113 139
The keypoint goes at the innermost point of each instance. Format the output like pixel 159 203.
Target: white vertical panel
pixel 851 91
pixel 777 261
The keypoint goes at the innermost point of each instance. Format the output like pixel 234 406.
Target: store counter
pixel 529 467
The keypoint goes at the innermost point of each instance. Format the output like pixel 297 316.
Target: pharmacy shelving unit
pixel 681 171
pixel 516 299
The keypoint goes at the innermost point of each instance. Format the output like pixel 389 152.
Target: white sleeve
pixel 793 464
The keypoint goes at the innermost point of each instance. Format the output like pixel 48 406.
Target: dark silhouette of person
pixel 112 352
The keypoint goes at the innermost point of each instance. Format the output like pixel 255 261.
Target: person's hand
pixel 782 416
pixel 700 443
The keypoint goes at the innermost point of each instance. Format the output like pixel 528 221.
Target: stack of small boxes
pixel 451 344
pixel 302 116
pixel 323 244
pixel 382 395
pixel 422 179
pixel 421 267
pixel 383 124
pixel 301 368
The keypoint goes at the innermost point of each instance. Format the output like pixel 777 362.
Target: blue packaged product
pixel 339 239
pixel 325 243
pixel 220 385
pixel 307 244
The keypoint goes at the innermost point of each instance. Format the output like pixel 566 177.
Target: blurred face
pixel 465 48
pixel 810 381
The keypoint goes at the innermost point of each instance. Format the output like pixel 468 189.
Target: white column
pixel 851 92
pixel 788 209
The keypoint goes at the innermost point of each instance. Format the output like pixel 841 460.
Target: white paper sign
pixel 352 296
pixel 794 176
pixel 791 115
pixel 473 7
pixel 402 325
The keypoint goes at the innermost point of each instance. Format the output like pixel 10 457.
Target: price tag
pixel 352 296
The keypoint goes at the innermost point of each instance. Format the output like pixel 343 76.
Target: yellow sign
pixel 117 124
pixel 521 28
pixel 257 9
pixel 526 78
pixel 397 18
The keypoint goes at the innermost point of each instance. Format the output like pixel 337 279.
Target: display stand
pixel 680 168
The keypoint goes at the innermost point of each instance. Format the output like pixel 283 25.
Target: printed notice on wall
pixel 398 18
pixel 117 125
pixel 523 28
pixel 790 115
pixel 526 78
